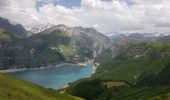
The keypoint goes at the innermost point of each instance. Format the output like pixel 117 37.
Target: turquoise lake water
pixel 55 78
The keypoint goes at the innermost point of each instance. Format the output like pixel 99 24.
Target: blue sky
pixel 65 3
pixel 69 3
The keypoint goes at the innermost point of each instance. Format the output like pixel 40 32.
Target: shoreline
pixel 94 68
pixel 95 65
pixel 83 64
pixel 39 68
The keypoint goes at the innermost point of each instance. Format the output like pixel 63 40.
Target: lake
pixel 57 77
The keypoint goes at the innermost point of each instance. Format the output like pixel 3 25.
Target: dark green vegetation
pixel 91 89
pixel 143 66
pixel 99 90
pixel 87 89
pixel 15 89
pixel 143 63
pixel 136 93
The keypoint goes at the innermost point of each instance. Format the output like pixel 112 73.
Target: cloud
pixel 105 16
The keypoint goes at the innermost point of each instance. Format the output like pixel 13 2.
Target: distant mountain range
pixel 137 36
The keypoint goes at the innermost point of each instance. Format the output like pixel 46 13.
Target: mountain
pixel 95 89
pixel 121 40
pixel 54 45
pixel 62 38
pixel 139 71
pixel 135 63
pixel 137 36
pixel 116 34
pixel 16 89
pixel 21 52
pixel 13 50
pixel 35 30
pixel 17 29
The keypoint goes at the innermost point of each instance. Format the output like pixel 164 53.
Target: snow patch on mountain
pixel 156 34
pixel 39 29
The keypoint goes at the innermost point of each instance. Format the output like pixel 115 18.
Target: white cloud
pixel 116 15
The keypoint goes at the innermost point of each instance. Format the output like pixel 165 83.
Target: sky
pixel 103 15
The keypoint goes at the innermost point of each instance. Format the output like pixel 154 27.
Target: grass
pixel 68 51
pixel 133 69
pixel 16 89
pixel 159 46
pixel 128 70
pixel 4 35
pixel 147 75
pixel 136 93
pixel 121 91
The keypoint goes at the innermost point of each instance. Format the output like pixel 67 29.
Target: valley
pixel 142 66
pixel 87 63
pixel 84 49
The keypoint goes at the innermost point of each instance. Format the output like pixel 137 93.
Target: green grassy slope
pixel 110 90
pixel 15 89
pixel 142 63
pixel 4 36
pixel 136 93
pixel 143 66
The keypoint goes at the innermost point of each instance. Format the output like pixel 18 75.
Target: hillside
pixel 136 93
pixel 92 89
pixel 74 38
pixel 17 29
pixel 136 62
pixel 142 66
pixel 15 89
pixel 14 51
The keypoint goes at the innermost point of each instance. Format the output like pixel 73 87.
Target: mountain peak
pixel 17 29
pixel 116 34
pixel 40 28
